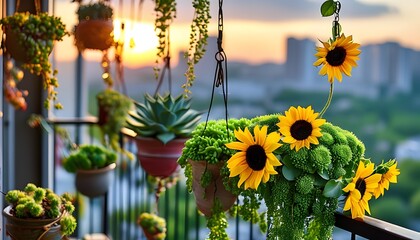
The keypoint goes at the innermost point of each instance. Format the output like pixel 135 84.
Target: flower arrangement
pixel 35 34
pixel 302 167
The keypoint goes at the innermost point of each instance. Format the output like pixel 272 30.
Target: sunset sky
pixel 255 31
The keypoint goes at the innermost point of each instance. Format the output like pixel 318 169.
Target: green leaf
pixel 165 137
pixel 324 175
pixel 328 8
pixel 333 188
pixel 290 173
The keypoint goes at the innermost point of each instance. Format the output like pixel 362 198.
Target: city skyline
pixel 254 31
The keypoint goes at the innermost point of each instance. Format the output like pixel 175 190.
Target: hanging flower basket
pixel 158 159
pixel 205 197
pixel 94 34
pixel 94 183
pixel 32 229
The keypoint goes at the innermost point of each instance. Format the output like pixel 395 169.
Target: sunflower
pixel 300 127
pixel 338 57
pixel 389 176
pixel 360 190
pixel 255 162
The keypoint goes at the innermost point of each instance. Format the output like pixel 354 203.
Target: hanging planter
pixel 205 196
pixel 113 108
pixel 94 34
pixel 158 159
pixel 31 229
pixel 95 27
pixel 30 39
pixel 94 167
pixel 94 183
pixel 162 125
pixel 32 215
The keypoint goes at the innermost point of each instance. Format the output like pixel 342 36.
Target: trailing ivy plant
pixel 165 14
pixel 198 40
pixel 36 34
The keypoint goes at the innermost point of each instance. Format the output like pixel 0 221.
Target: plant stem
pixel 327 104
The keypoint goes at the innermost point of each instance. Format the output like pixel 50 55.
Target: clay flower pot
pixel 205 197
pixel 94 34
pixel 158 159
pixel 94 183
pixel 32 229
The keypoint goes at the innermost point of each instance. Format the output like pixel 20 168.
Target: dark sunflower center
pixel 301 130
pixel 336 56
pixel 256 157
pixel 361 186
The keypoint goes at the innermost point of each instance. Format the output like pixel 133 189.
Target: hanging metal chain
pixel 220 75
pixel 336 25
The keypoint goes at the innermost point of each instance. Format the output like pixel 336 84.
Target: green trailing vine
pixel 165 14
pixel 198 40
pixel 36 34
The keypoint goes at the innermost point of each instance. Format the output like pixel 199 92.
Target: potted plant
pixel 93 166
pixel 162 124
pixel 302 166
pixel 95 27
pixel 113 110
pixel 30 39
pixel 204 159
pixel 154 227
pixel 38 214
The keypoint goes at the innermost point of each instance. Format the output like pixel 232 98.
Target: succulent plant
pixel 113 110
pixel 153 226
pixel 35 35
pixel 88 157
pixel 163 117
pixel 94 11
pixel 42 203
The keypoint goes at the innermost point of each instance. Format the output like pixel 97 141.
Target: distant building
pixel 383 69
pixel 299 60
pixel 387 66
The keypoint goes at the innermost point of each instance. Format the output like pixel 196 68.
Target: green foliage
pixel 37 202
pixel 198 40
pixel 308 178
pixel 95 11
pixel 328 8
pixel 163 117
pixel 88 157
pixel 115 107
pixel 207 142
pixel 217 224
pixel 165 13
pixel 153 224
pixel 68 224
pixel 36 35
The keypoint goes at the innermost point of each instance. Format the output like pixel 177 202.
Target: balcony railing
pixel 116 213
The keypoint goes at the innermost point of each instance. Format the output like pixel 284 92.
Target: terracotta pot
pixel 94 34
pixel 31 229
pixel 94 183
pixel 158 159
pixel 205 197
pixel 15 49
